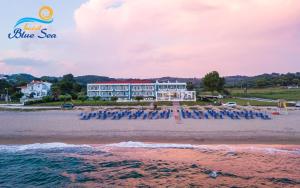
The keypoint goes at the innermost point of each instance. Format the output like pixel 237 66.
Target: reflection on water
pixel 119 165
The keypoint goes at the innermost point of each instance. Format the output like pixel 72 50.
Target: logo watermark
pixel 29 28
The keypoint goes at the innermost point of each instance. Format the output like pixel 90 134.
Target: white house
pixel 35 90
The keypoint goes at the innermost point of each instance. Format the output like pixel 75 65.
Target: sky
pixel 151 38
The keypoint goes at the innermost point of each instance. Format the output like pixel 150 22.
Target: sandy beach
pixel 65 126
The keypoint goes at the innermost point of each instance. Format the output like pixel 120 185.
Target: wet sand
pixel 234 166
pixel 65 126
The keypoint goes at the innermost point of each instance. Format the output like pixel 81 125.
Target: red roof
pixel 126 82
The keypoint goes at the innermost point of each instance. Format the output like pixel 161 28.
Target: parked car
pixel 297 104
pixel 230 104
pixel 67 106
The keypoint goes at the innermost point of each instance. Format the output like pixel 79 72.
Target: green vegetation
pixel 190 86
pixel 98 103
pixel 240 102
pixel 268 93
pixel 114 99
pixel 68 88
pixel 138 98
pixel 213 82
pixel 244 102
pixel 11 90
pixel 264 80
pixel 10 102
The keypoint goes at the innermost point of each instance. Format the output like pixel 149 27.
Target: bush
pixel 47 99
pixel 138 98
pixel 65 98
pixel 82 98
pixel 114 99
pixel 226 92
pixel 74 96
pixel 97 98
pixel 33 102
pixel 16 96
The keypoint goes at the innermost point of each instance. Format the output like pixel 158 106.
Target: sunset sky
pixel 153 38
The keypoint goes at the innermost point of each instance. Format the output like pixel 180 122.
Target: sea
pixel 139 164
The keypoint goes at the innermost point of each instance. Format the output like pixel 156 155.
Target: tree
pixel 261 83
pixel 55 91
pixel 67 85
pixel 68 77
pixel 16 96
pixel 3 86
pixel 189 86
pixel 213 82
pixel 82 97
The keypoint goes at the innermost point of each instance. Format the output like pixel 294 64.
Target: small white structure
pixel 293 87
pixel 176 95
pixel 35 90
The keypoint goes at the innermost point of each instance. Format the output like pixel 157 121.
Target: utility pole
pixel 6 98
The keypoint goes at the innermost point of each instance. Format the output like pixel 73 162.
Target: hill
pixel 263 80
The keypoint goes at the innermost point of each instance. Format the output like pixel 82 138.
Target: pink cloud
pixel 189 38
pixel 145 38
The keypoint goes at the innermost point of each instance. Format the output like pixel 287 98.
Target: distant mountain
pixel 236 81
pixel 50 78
pixel 22 77
pixel 263 80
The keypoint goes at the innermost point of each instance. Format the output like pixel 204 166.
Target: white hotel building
pixel 128 90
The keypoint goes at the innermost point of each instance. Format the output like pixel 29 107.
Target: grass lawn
pixel 12 102
pixel 188 103
pixel 241 102
pixel 102 103
pixel 268 93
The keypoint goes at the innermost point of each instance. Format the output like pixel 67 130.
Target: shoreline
pixel 21 140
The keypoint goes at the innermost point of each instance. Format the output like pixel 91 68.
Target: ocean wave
pixel 131 144
pixel 205 148
pixel 275 150
pixel 40 146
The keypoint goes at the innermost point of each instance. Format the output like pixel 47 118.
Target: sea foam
pixel 131 144
pixel 226 148
pixel 39 146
